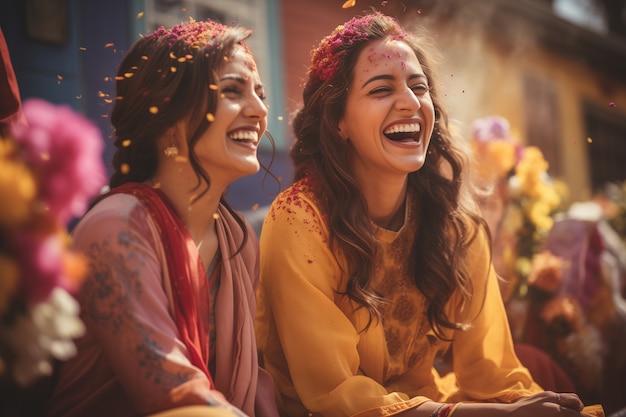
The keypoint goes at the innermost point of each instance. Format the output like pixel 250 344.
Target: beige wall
pixel 482 74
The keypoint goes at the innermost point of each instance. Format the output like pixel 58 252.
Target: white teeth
pixel 244 135
pixel 410 127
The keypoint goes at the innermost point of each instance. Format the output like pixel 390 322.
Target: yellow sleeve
pixel 485 362
pixel 309 345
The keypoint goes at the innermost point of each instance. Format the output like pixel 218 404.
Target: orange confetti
pixel 216 216
pixel 172 55
pixel 128 74
pixel 82 48
pixel 589 140
pixel 107 79
pixel 348 4
pixel 125 169
pixel 59 77
pixel 255 206
pixel 144 57
pixel 126 143
pixel 108 45
pixel 213 87
pixel 154 109
pixel 182 59
pixel 119 77
pixel 139 15
pixel 210 117
pixel 173 69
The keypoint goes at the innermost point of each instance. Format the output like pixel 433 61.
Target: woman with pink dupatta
pixel 169 300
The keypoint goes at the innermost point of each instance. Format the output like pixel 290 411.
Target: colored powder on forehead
pixel 325 59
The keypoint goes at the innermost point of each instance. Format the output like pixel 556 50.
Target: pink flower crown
pixel 325 58
pixel 192 32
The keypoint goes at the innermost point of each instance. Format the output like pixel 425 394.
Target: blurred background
pixel 553 70
pixel 556 69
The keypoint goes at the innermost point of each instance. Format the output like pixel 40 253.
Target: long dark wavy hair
pixel 165 77
pixel 447 216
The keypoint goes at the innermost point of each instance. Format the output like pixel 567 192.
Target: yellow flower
pixel 17 188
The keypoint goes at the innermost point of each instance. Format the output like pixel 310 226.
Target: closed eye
pixel 420 89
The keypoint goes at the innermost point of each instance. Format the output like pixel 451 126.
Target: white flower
pixel 43 334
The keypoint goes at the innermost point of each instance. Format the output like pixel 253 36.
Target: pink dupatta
pixel 186 273
pixel 237 373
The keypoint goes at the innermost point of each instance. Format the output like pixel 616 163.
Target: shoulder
pixel 110 216
pixel 296 202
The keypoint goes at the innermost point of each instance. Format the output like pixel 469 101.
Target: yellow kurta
pixel 312 339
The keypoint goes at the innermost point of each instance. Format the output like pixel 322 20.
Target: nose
pixel 255 107
pixel 408 101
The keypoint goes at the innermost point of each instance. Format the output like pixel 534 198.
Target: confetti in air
pixel 210 117
pixel 139 15
pixel 125 169
pixel 611 104
pixel 154 109
pixel 348 4
pixel 589 140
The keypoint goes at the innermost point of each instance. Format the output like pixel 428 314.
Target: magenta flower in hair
pixel 325 60
pixel 65 150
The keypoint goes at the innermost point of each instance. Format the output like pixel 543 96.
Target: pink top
pixel 132 360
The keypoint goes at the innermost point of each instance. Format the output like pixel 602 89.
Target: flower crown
pixel 325 58
pixel 192 32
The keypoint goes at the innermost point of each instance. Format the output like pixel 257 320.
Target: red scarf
pixel 185 272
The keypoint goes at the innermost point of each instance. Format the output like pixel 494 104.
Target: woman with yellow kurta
pixel 374 262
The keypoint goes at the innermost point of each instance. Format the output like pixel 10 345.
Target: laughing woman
pixel 169 302
pixel 375 260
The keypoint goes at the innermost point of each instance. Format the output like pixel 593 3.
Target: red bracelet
pixel 454 409
pixel 446 410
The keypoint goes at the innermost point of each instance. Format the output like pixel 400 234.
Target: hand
pixel 547 404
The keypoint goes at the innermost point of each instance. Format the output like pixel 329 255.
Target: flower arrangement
pixel 553 265
pixel 516 176
pixel 49 169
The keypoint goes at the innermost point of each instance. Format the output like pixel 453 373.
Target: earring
pixel 171 151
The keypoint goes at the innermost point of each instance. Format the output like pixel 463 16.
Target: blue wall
pixel 80 73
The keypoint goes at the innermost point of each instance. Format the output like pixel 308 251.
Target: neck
pixel 386 202
pixel 196 212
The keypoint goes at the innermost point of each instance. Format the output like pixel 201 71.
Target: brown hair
pixel 437 254
pixel 165 77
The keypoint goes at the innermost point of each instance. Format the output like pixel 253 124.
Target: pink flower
pixel 489 129
pixel 65 151
pixel 41 261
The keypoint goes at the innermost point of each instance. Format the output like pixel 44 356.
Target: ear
pixel 342 130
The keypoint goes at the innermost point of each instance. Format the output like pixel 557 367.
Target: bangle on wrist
pixel 436 412
pixel 453 409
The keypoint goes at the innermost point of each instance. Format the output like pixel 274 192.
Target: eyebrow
pixel 240 80
pixel 390 77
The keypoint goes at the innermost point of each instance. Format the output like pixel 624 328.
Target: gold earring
pixel 171 151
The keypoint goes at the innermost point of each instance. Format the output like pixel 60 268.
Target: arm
pixel 125 308
pixel 316 356
pixel 484 359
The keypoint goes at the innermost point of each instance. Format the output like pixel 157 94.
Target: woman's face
pixel 389 115
pixel 228 148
